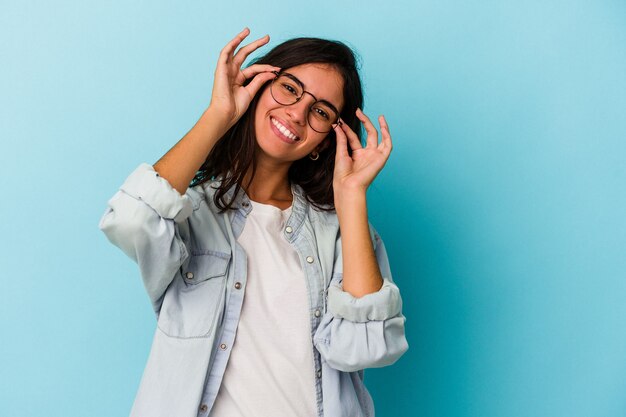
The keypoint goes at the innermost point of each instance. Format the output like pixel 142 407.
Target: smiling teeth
pixel 284 130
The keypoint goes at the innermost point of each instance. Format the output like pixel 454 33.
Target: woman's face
pixel 322 81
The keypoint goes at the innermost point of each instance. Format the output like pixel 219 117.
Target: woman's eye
pixel 322 113
pixel 290 89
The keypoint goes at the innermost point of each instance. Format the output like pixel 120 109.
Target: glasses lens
pixel 322 117
pixel 285 90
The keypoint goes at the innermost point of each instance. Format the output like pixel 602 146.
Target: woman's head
pixel 328 71
pixel 297 110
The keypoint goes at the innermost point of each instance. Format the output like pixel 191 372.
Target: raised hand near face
pixel 357 171
pixel 230 99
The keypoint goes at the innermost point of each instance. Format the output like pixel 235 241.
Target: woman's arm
pixel 361 274
pixel 148 216
pixel 143 219
pixel 353 174
pixel 229 100
pixel 181 163
pixel 363 326
pixel 366 332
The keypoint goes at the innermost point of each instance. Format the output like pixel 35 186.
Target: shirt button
pixel 309 259
pixel 189 275
pixel 288 229
pixel 317 313
pixel 319 374
pixel 245 204
pixel 238 285
pixel 223 346
pixel 203 408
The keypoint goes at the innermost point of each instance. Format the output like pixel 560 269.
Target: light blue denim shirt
pixel 195 272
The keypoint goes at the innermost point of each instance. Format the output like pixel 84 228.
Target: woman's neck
pixel 270 185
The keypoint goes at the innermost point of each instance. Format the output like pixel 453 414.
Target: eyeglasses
pixel 286 89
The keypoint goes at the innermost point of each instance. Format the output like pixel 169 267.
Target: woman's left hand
pixel 357 172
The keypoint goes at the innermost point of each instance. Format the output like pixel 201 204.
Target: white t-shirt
pixel 270 371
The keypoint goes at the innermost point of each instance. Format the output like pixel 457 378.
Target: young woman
pixel 265 196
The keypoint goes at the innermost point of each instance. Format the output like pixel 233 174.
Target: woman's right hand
pixel 230 99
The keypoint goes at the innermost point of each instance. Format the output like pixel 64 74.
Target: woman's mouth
pixel 283 132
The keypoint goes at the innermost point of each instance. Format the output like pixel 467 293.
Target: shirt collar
pixel 299 208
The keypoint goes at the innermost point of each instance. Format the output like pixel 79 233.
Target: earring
pixel 314 156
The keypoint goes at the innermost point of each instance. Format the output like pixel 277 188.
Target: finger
pixel 372 133
pixel 342 142
pixel 353 139
pixel 385 144
pixel 253 70
pixel 230 47
pixel 243 53
pixel 257 82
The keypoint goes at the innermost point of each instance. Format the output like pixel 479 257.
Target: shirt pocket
pixel 194 302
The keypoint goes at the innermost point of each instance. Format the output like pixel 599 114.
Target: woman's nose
pixel 299 111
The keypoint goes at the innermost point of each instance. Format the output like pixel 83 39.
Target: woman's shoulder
pixel 323 212
pixel 317 211
pixel 203 193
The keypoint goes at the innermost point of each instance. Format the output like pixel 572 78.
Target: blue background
pixel 502 205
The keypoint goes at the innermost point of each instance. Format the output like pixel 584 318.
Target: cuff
pixel 145 184
pixel 380 305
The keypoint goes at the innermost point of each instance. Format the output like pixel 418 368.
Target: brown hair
pixel 233 154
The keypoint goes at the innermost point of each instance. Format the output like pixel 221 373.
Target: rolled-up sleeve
pixel 143 219
pixel 366 332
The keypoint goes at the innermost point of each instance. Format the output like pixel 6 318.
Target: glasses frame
pixel 296 80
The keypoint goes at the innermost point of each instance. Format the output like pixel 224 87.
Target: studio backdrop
pixel 502 206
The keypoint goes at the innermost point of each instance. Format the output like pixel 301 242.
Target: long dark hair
pixel 233 154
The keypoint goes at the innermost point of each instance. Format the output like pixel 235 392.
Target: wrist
pixel 350 199
pixel 215 118
pixel 349 192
